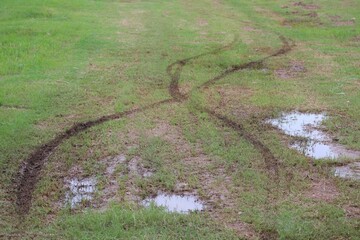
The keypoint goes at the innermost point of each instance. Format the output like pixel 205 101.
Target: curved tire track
pixel 28 175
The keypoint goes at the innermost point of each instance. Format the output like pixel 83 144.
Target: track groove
pixel 28 175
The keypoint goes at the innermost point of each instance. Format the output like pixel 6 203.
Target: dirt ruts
pixel 28 175
pixel 270 160
pixel 178 65
pixel 286 47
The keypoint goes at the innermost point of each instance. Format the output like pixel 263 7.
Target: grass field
pixel 181 89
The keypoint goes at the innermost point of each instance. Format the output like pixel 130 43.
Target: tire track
pixel 270 159
pixel 286 47
pixel 28 175
pixel 179 65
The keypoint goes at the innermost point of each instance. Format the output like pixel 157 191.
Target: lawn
pixel 172 96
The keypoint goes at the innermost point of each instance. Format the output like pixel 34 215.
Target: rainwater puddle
pixel 176 203
pixel 317 144
pixel 315 149
pixel 350 171
pixel 80 190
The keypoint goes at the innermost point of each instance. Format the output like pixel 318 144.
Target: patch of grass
pixel 124 223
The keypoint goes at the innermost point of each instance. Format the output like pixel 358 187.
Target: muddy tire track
pixel 286 47
pixel 270 160
pixel 28 175
pixel 179 65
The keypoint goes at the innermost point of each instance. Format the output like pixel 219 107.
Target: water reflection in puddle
pixel 176 203
pixel 315 149
pixel 317 144
pixel 350 171
pixel 80 190
pixel 298 124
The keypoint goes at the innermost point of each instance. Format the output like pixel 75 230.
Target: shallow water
pixel 350 171
pixel 176 203
pixel 298 124
pixel 80 190
pixel 317 144
pixel 315 149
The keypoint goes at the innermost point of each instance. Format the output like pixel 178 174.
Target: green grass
pixel 130 223
pixel 63 62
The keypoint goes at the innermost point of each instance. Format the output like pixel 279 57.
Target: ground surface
pixel 171 96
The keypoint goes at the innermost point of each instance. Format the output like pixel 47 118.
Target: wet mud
pixel 28 175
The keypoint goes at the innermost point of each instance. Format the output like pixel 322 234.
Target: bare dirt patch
pixel 322 190
pixel 301 20
pixel 250 29
pixel 311 14
pixel 136 168
pixel 306 6
pixel 338 21
pixel 353 211
pixel 291 71
pixel 356 39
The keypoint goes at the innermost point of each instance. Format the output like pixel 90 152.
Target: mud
pixel 176 203
pixel 286 47
pixel 313 141
pixel 306 6
pixel 113 162
pixel 80 191
pixel 322 190
pixel 137 169
pixel 349 171
pixel 28 175
pixel 292 71
pixel 270 160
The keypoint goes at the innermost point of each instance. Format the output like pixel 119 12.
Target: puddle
pixel 176 203
pixel 80 190
pixel 315 149
pixel 317 144
pixel 350 171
